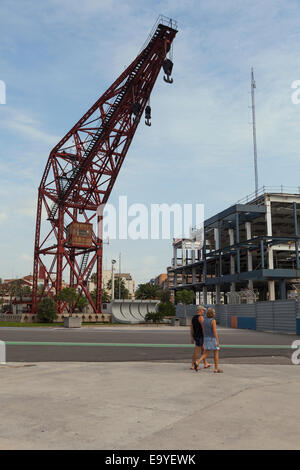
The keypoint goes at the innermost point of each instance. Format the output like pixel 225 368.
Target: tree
pixel 147 291
pixel 185 297
pixel 47 310
pixel 26 291
pixel 164 295
pixel 105 296
pixel 3 290
pixel 14 288
pixel 69 296
pixel 119 282
pixel 81 303
pixel 167 309
pixel 94 278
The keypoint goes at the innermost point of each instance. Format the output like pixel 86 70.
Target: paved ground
pixel 146 405
pixel 136 397
pixel 141 335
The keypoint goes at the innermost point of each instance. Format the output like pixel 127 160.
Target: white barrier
pixel 132 311
pixel 2 353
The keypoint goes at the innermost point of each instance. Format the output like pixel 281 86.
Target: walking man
pixel 197 336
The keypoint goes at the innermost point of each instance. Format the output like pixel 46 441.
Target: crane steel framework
pixel 82 169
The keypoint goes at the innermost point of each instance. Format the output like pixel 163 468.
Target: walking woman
pixel 211 339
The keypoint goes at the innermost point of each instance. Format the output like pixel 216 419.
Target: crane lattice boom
pixel 81 171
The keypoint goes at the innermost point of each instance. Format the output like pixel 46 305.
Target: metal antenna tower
pixel 253 85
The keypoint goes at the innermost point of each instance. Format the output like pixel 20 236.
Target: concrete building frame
pixel 253 245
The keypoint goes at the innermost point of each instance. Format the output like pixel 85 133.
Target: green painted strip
pixel 146 345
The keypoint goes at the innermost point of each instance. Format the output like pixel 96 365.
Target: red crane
pixel 82 169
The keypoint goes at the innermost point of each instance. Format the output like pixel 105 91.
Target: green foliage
pixel 6 308
pixel 119 282
pixel 47 310
pixel 14 288
pixel 68 295
pixel 185 296
pixel 164 295
pixel 81 303
pixel 155 317
pixel 147 291
pixel 167 309
pixel 72 298
pixel 105 296
pixel 3 289
pixel 26 291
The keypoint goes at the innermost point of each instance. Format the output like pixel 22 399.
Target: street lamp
pixel 113 262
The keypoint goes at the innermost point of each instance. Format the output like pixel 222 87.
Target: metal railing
pixel 269 189
pixel 162 19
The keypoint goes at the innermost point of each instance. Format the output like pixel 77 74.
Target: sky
pixel 57 57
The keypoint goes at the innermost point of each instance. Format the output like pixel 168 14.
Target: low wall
pixel 29 318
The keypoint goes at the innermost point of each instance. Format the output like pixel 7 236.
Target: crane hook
pixel 148 115
pixel 168 66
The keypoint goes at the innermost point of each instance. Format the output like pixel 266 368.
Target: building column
pixel 282 288
pixel 232 260
pixel 237 240
pixel 193 254
pixel 249 254
pixel 271 284
pixel 218 294
pixel 175 256
pixel 296 235
pixel 204 291
pixel 217 247
pixel 183 253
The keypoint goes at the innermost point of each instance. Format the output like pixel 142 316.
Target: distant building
pixel 160 281
pixel 106 277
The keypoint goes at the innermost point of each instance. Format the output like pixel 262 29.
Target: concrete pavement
pixel 146 405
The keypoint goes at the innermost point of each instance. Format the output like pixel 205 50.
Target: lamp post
pixel 113 261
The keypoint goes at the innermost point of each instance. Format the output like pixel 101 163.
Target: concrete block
pixel 72 322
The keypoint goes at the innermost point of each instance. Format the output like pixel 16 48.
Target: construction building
pixel 250 251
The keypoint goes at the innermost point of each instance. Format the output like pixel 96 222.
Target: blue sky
pixel 58 56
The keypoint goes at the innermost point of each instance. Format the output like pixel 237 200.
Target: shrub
pixel 155 317
pixel 167 309
pixel 47 311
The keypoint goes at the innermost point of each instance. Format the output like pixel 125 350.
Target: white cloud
pixel 3 216
pixel 22 122
pixel 26 257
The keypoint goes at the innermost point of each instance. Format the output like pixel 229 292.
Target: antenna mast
pixel 253 85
